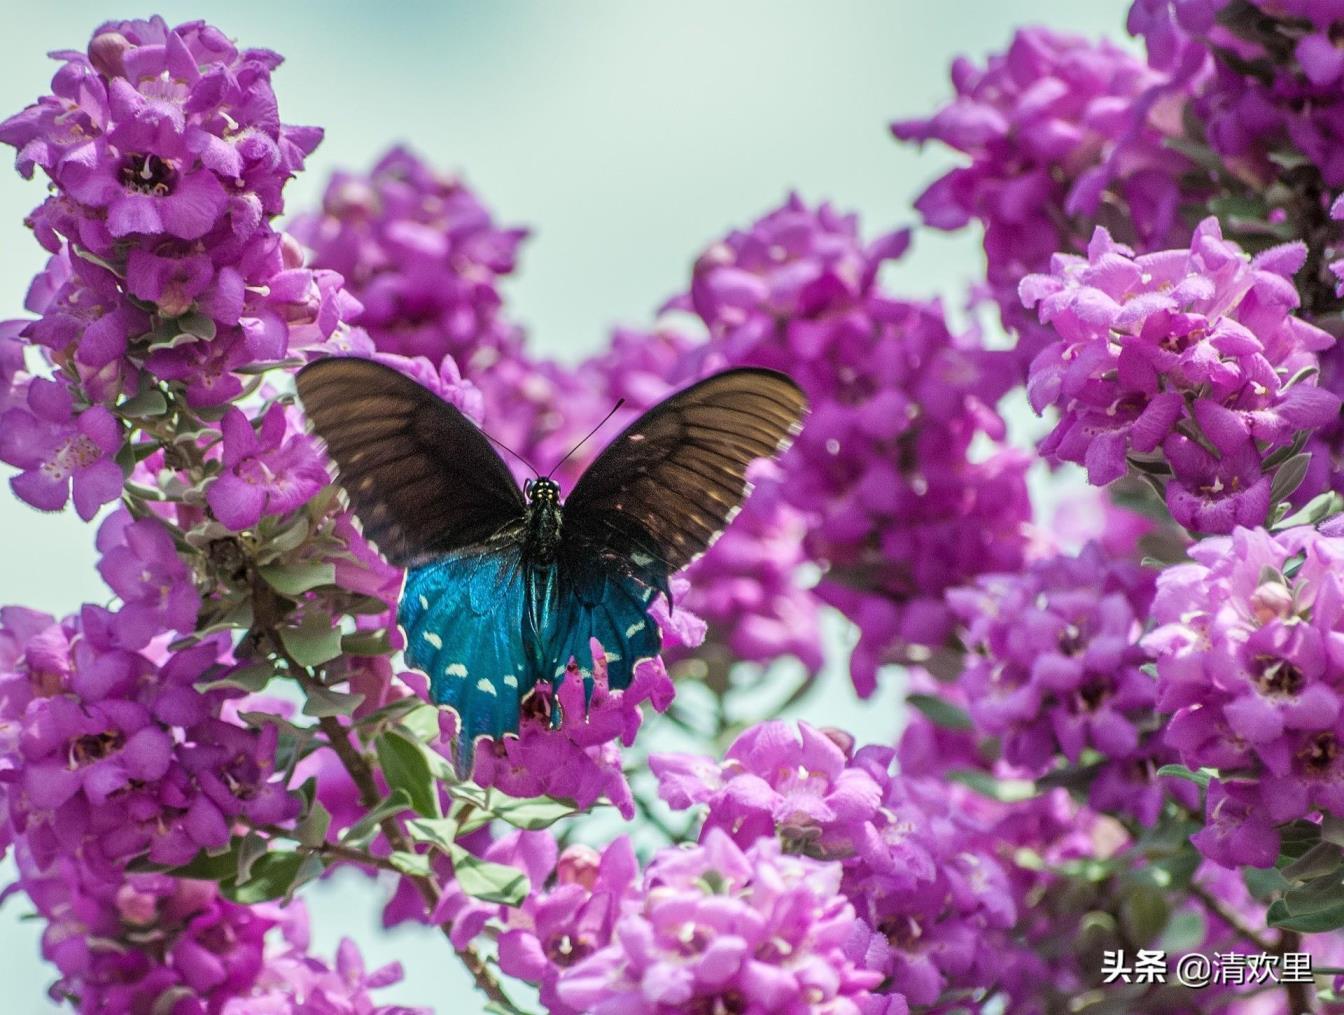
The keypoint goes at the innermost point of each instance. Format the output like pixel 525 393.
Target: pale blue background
pixel 628 135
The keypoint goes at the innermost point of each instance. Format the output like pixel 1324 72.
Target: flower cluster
pixel 155 941
pixel 717 927
pixel 932 900
pixel 167 160
pixel 422 255
pixel 1260 79
pixel 1184 361
pixel 1056 668
pixel 1247 662
pixel 1060 133
pixel 897 507
pixel 114 753
pixel 560 926
pixel 580 760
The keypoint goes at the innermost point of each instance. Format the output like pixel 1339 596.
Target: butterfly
pixel 506 588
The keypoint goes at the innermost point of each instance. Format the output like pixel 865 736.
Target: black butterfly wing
pixel 661 493
pixel 421 477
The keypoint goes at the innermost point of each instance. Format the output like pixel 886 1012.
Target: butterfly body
pixel 543 520
pixel 507 589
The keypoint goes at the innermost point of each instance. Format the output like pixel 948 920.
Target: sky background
pixel 627 136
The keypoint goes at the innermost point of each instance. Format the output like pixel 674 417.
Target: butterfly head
pixel 542 491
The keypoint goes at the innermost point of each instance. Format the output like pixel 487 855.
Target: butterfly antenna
pixel 514 453
pixel 619 402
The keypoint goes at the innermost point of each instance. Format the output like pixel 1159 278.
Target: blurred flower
pixel 422 255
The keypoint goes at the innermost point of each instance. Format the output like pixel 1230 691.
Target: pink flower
pixel 264 472
pixel 61 450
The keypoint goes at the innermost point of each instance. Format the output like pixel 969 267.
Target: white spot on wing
pixel 642 560
pixel 634 628
pixel 424 603
pixel 486 686
pixel 433 639
pixel 454 670
pixel 510 680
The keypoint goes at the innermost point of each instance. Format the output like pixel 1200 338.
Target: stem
pixel 354 762
pixel 1233 919
pixel 1301 996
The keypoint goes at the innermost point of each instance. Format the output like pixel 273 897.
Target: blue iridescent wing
pixel 463 616
pixel 602 604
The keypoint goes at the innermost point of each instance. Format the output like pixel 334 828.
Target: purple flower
pixel 61 450
pixel 264 472
pixel 1246 661
pixel 1057 130
pixel 1158 349
pixel 580 760
pixel 930 897
pixel 167 160
pixel 717 926
pixel 894 504
pixel 118 756
pixel 141 565
pixel 293 980
pixel 84 312
pixel 1055 668
pixel 161 131
pixel 557 928
pixel 422 255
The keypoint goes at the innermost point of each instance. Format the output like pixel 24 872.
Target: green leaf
pixel 295 579
pixel 289 538
pixel 314 642
pixel 361 833
pixel 252 678
pixel 1314 511
pixel 1185 931
pixel 1200 778
pixel 1315 896
pixel 1332 829
pixel 205 867
pixel 271 878
pixel 366 643
pixel 1296 837
pixel 323 701
pixel 405 767
pixel 1003 790
pixel 1308 923
pixel 440 832
pixel 423 722
pixel 1321 859
pixel 198 324
pixel 147 403
pixel 1265 883
pixel 1143 913
pixel 251 848
pixel 531 815
pixel 489 882
pixel 1289 477
pixel 312 830
pixel 940 712
pixel 414 864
